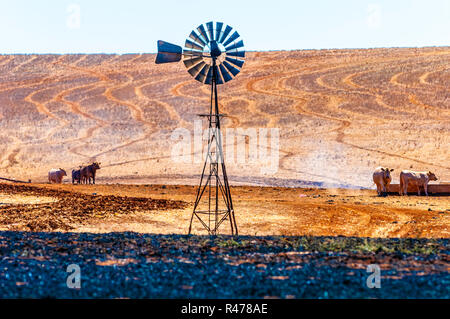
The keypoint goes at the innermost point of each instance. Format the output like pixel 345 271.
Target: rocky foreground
pixel 132 265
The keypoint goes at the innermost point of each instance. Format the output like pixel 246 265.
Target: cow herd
pixel 382 178
pixel 83 175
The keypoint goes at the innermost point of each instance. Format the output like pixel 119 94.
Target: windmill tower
pixel 213 55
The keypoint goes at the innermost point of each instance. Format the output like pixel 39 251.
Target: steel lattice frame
pixel 212 55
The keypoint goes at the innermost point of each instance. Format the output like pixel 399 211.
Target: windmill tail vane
pixel 213 54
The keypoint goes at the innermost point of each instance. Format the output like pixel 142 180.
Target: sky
pixel 134 26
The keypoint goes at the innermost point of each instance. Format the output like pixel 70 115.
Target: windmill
pixel 213 55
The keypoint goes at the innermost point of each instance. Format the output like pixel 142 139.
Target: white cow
pixel 382 178
pixel 415 178
pixel 56 175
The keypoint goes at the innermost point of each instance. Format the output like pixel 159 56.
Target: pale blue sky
pixel 134 26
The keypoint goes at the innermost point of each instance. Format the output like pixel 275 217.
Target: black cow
pixel 76 176
pixel 88 172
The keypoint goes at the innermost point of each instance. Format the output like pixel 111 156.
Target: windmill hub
pixel 215 49
pixel 213 55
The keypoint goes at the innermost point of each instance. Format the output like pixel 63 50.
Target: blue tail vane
pixel 168 52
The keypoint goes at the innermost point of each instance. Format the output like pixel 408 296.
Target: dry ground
pixel 259 211
pixel 126 240
pixel 340 114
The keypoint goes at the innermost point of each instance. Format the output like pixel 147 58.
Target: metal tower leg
pixel 216 181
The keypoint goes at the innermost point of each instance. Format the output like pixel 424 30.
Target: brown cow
pixel 88 172
pixel 415 178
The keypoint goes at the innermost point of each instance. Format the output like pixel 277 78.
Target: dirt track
pixel 259 211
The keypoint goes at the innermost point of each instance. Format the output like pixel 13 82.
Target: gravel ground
pixel 132 265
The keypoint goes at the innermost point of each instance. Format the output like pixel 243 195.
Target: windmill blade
pixel 196 69
pixel 226 75
pixel 231 68
pixel 202 74
pixel 240 54
pixel 194 36
pixel 237 45
pixel 225 33
pixel 191 62
pixel 201 30
pixel 238 63
pixel 191 45
pixel 210 28
pixel 233 37
pixel 208 79
pixel 210 76
pixel 168 52
pixel 192 53
pixel 218 76
pixel 219 26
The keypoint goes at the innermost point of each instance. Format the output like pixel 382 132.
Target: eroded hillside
pixel 340 113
